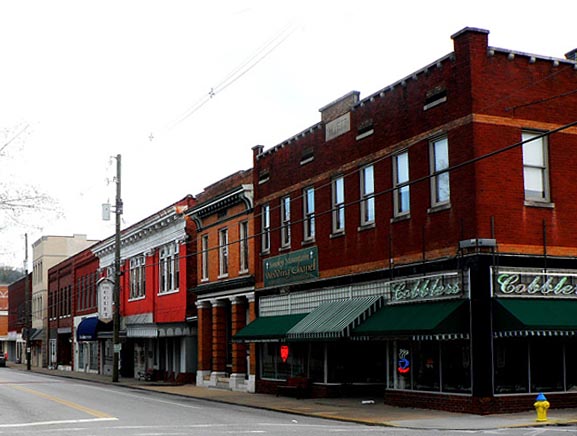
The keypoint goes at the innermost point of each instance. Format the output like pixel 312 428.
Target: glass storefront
pixel 540 364
pixel 436 366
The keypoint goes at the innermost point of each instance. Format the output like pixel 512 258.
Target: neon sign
pixel 284 353
pixel 404 365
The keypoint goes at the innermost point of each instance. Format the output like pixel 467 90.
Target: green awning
pixel 268 328
pixel 535 314
pixel 335 319
pixel 438 317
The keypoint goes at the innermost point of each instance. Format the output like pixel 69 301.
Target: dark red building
pixel 15 345
pixel 420 242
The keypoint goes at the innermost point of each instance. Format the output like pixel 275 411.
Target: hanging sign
pixel 284 352
pixel 105 299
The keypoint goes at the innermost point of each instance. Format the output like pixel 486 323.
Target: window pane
pixel 368 180
pixel 533 182
pixel 441 150
pixel 443 188
pixel 403 168
pixel 456 366
pixel 511 366
pixel 546 365
pixel 533 151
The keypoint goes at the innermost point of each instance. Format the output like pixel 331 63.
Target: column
pixel 204 311
pixel 219 343
pixel 252 366
pixel 238 376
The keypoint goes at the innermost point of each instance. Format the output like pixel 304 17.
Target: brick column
pixel 251 347
pixel 239 306
pixel 219 343
pixel 204 312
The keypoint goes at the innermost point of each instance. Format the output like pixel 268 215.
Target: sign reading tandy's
pixel 292 267
pixel 534 283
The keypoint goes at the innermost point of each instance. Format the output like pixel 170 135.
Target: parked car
pixel 2 359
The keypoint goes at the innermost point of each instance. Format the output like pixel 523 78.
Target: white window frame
pixel 309 214
pixel 137 277
pixel 265 228
pixel 285 221
pixel 204 258
pixel 243 247
pixel 367 175
pixel 167 258
pixel 439 161
pixel 338 204
pixel 402 192
pixel 535 167
pixel 223 252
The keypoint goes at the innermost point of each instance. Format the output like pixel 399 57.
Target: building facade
pixel 156 294
pixel 419 243
pixel 225 283
pixel 17 313
pixel 47 252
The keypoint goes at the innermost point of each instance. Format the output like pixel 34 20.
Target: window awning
pixel 335 319
pixel 534 316
pixel 88 328
pixel 440 317
pixel 268 328
pixel 36 335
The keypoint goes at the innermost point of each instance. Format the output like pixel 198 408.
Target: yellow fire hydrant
pixel 541 406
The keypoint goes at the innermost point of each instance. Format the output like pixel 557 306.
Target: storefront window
pixel 356 362
pixel 571 365
pixel 317 362
pixel 456 366
pixel 546 365
pixel 511 366
pixel 426 375
pixel 279 366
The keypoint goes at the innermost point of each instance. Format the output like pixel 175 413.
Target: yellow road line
pixel 92 412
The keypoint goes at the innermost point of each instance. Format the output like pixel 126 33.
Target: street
pixel 35 403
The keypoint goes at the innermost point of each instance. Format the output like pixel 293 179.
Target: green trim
pixel 535 313
pixel 268 328
pixel 414 319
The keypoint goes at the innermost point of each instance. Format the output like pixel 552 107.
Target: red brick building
pixel 157 302
pixel 420 242
pixel 17 319
pixel 225 286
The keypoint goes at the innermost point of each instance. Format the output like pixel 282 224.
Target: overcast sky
pixel 184 89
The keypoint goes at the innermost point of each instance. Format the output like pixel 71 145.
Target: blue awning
pixel 88 328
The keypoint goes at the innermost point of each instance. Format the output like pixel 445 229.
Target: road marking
pixel 68 421
pixel 87 410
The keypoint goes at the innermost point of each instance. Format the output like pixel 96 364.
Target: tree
pixel 10 275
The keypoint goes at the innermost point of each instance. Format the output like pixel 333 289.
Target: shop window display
pixel 546 365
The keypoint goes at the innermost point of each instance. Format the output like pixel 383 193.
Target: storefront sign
pixel 292 267
pixel 284 352
pixel 536 284
pixel 404 366
pixel 105 299
pixel 421 288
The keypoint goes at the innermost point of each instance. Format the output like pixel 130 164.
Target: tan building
pixel 47 252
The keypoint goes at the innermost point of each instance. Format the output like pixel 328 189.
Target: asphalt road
pixel 37 404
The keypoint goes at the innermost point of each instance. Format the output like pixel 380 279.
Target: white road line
pixel 67 421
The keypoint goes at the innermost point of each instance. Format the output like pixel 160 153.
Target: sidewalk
pixel 370 411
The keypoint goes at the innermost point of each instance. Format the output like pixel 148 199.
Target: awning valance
pixel 534 316
pixel 88 328
pixel 335 319
pixel 268 328
pixel 440 317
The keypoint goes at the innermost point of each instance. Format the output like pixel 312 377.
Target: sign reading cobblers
pixel 295 266
pixel 534 283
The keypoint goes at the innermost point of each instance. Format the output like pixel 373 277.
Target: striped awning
pixel 335 319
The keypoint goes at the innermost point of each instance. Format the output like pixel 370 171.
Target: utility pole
pixel 27 304
pixel 116 298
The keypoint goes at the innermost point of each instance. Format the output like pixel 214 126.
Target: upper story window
pixel 309 213
pixel 137 277
pixel 243 242
pixel 367 195
pixel 439 160
pixel 285 225
pixel 168 269
pixel 338 206
pixel 401 194
pixel 535 167
pixel 223 252
pixel 265 228
pixel 204 258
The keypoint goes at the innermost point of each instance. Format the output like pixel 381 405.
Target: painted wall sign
pixel 292 267
pixel 534 283
pixel 420 288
